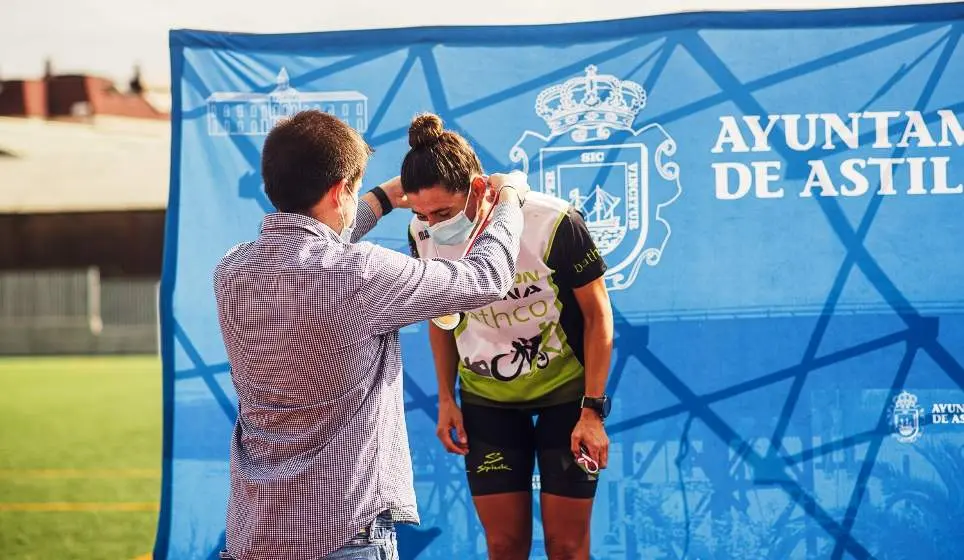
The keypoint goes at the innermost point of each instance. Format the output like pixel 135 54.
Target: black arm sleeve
pixel 573 253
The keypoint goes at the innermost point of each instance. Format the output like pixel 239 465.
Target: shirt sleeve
pixel 573 253
pixel 400 290
pixel 365 220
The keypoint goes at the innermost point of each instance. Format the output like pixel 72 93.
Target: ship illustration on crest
pixel 599 210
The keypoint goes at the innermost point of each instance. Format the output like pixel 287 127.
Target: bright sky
pixel 107 37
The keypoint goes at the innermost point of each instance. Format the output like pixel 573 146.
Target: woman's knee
pixel 509 546
pixel 573 546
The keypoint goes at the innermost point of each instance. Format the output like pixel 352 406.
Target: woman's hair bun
pixel 425 130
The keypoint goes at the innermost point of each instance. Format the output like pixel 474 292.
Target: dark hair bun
pixel 426 129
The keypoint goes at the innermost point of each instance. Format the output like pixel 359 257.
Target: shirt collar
pixel 283 221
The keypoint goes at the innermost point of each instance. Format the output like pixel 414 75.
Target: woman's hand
pixel 450 418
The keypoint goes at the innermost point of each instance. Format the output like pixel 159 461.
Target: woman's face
pixel 436 203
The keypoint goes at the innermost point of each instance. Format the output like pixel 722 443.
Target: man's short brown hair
pixel 307 154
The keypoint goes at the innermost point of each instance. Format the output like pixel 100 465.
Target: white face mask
pixel 454 230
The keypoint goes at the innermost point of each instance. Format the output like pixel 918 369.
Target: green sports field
pixel 80 448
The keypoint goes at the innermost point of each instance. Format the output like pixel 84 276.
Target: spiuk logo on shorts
pixel 493 462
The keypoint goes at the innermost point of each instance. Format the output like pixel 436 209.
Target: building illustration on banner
pixel 620 178
pixel 254 114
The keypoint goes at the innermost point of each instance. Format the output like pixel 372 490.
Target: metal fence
pixel 77 312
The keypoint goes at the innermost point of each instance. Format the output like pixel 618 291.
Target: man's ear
pixel 338 191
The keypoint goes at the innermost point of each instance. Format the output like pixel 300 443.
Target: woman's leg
pixel 499 467
pixel 567 490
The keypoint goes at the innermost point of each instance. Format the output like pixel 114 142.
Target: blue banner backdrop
pixel 778 196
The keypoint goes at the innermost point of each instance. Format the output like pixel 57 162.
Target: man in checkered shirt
pixel 320 465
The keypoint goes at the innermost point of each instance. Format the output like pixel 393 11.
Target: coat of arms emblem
pixel 906 418
pixel 620 178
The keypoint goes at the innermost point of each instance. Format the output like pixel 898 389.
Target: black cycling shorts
pixel 504 443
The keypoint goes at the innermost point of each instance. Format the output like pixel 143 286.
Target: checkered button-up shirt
pixel 310 324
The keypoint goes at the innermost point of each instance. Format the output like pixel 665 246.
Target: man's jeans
pixel 376 542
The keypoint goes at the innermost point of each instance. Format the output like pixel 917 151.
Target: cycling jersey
pixel 527 349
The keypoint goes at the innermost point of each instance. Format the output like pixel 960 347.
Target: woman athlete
pixel 532 367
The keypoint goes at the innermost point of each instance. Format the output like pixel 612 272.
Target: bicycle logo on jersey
pixel 525 353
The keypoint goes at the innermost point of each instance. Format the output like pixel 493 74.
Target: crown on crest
pixel 905 401
pixel 591 102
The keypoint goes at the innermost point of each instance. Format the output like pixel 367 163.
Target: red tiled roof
pixel 72 96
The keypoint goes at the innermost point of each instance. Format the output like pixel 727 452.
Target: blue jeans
pixel 376 542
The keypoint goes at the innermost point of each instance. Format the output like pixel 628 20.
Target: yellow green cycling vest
pixel 515 351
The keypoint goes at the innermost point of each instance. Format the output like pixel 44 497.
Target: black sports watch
pixel 600 405
pixel 383 200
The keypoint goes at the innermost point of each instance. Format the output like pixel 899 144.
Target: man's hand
pixel 393 188
pixel 450 418
pixel 516 180
pixel 590 433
